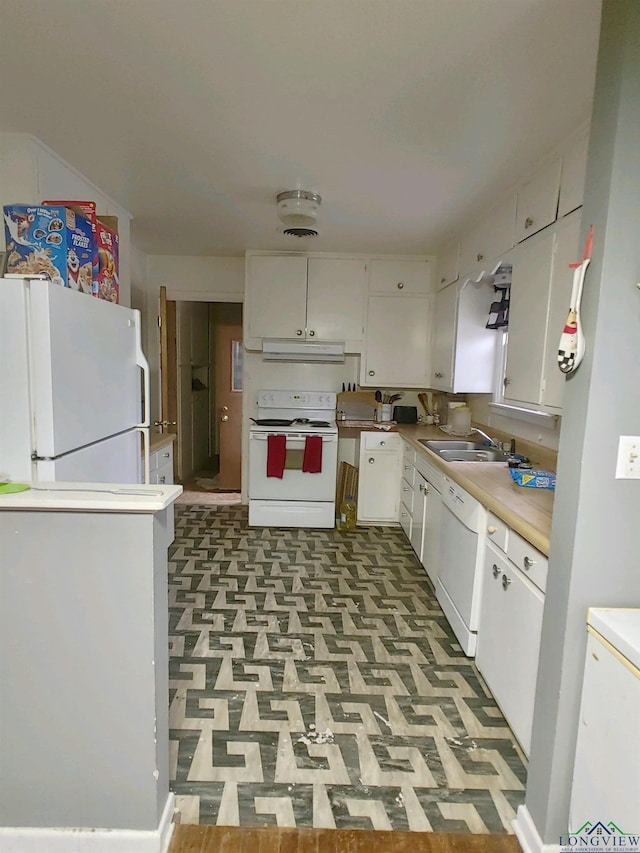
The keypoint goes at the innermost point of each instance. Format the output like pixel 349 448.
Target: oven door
pixel 295 484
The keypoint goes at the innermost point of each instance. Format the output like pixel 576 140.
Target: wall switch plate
pixel 628 465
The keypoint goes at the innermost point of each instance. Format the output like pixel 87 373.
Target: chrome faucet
pixel 488 438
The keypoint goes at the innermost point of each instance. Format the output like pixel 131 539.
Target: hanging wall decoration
pixel 572 344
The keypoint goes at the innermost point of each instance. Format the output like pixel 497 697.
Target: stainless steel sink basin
pixel 465 451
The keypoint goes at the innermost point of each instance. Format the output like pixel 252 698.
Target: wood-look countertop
pixel 159 439
pixel 527 511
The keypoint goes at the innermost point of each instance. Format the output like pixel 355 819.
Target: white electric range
pixel 297 498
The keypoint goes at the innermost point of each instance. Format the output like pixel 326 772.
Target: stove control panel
pixel 296 400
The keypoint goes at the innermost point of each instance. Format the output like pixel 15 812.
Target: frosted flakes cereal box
pixel 106 268
pixel 52 241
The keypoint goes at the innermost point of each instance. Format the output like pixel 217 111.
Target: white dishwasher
pixel 459 580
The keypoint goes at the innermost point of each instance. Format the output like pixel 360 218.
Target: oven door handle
pixel 293 436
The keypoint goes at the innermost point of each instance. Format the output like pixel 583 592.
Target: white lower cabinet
pixel 161 465
pixel 420 507
pixel 510 625
pixel 380 464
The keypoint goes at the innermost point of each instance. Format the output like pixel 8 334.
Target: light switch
pixel 628 465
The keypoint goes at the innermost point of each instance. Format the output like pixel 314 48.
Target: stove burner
pixel 319 424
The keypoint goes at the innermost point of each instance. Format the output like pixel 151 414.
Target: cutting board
pixel 357 405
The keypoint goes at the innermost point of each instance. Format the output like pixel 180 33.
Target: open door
pixel 229 404
pixel 168 366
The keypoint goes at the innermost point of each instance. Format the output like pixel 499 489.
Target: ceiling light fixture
pixel 297 210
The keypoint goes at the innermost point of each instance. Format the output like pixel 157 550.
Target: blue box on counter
pixel 533 479
pixel 48 240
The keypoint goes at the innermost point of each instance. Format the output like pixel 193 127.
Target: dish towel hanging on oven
pixel 312 460
pixel 276 455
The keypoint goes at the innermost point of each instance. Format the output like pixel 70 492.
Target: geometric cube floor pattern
pixel 315 682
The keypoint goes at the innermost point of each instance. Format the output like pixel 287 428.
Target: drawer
pixel 408 471
pixel 429 471
pixel 381 441
pixel 497 532
pixel 528 559
pixel 408 454
pixel 163 475
pixel 406 522
pixel 406 494
pixel 162 458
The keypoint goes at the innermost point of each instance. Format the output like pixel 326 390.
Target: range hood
pixel 326 351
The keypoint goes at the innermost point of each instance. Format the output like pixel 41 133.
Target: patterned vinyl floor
pixel 315 682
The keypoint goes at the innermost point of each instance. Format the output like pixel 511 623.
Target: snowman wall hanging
pixel 572 346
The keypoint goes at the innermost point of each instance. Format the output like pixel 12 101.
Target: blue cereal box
pixel 533 479
pixel 53 241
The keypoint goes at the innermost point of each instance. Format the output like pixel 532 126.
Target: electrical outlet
pixel 628 465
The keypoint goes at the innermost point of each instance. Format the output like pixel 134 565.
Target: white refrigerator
pixel 74 387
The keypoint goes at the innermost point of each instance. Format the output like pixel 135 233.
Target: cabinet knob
pixel 528 562
pixel 405 488
pixel 299 332
pixel 491 530
pixel 166 455
pixel 438 375
pixel 372 373
pixel 311 333
pixel 400 285
pixel 371 460
pixel 479 256
pixel 382 444
pixel 495 570
pixel 528 222
pixel 443 279
pixel 505 581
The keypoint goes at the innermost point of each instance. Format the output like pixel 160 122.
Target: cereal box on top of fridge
pixel 106 269
pixel 52 241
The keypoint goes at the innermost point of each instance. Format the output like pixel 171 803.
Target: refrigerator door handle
pixel 143 364
pixel 144 431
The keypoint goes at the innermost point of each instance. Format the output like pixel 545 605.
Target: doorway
pixel 202 385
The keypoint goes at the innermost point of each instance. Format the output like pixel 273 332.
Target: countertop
pixel 159 439
pixel 91 497
pixel 527 511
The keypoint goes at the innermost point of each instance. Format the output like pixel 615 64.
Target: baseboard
pixel 527 834
pixel 53 840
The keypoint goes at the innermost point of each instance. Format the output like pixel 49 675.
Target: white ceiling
pixel 407 116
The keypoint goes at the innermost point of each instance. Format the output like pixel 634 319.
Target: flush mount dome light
pixel 297 210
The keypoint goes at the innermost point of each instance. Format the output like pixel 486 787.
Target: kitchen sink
pixel 465 451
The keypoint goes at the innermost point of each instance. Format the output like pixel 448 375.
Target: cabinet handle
pixel 528 222
pixel 479 256
pixel 311 333
pixel 407 467
pixel 372 373
pixel 438 375
pixel 371 460
pixel 299 332
pixel 166 455
pixel 443 279
pixel 495 570
pixel 406 489
pixel 491 530
pixel 505 582
pixel 528 563
pixel 162 479
pixel 400 285
pixel 506 381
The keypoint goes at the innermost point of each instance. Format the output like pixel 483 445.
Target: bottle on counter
pixel 348 514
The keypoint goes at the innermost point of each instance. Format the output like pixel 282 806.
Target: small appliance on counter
pixel 405 414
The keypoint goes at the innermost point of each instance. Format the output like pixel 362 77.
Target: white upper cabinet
pixel 538 200
pixel 574 166
pixel 490 238
pixel 292 296
pixel 540 294
pixel 396 277
pixel 397 340
pixel 463 349
pixel 447 268
pixel 336 296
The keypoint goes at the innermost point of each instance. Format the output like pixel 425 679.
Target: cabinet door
pixel 567 251
pixel 538 200
pixel 276 296
pixel 379 485
pixel 444 330
pixel 397 342
pixel 448 265
pixel 432 519
pixel 394 277
pixel 336 292
pixel 509 641
pixel 491 237
pixel 574 166
pixel 530 283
